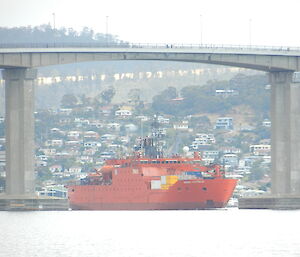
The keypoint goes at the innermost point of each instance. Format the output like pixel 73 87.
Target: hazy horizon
pixel 219 22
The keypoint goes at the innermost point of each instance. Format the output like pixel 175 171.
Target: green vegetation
pixel 202 99
pixel 46 34
pixel 257 171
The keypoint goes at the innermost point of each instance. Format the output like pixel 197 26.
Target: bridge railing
pixel 146 45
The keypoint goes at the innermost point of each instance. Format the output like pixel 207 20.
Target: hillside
pixel 249 91
pixel 163 74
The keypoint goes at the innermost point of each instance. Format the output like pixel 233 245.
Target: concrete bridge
pixel 20 62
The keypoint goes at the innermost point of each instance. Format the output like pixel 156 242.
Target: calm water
pixel 230 232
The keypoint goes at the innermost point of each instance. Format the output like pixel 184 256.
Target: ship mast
pixel 151 145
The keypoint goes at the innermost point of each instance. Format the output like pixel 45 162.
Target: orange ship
pixel 145 183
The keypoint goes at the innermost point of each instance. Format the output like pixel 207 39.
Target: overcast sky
pixel 259 22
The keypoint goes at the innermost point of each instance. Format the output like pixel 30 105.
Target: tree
pixel 134 95
pixel 257 171
pixel 69 101
pixel 107 95
pixel 44 173
pixel 163 102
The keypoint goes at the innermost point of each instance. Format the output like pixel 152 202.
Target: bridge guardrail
pixel 146 45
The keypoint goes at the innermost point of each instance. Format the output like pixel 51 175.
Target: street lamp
pixel 53 14
pixel 201 29
pixel 250 32
pixel 106 31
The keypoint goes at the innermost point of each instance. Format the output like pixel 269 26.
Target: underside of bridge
pixel 285 117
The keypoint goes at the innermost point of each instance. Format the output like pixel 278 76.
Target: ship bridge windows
pixel 155 161
pixel 196 161
pixel 171 161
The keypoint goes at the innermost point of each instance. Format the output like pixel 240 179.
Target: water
pixel 230 232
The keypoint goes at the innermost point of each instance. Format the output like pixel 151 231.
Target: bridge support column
pixel 281 136
pixel 19 130
pixel 285 116
pixel 295 137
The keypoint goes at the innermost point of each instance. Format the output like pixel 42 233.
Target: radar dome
pixel 185 149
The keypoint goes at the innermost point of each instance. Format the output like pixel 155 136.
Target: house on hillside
pixel 91 135
pixel 54 143
pixel 225 123
pixel 56 168
pixel 73 135
pixel 226 92
pixel 183 126
pixel 123 113
pixel 260 150
pixel 114 126
pixel 266 123
pixel 106 110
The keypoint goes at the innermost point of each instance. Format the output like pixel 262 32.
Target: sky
pixel 230 22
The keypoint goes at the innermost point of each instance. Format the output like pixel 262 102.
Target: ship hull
pixel 183 195
pixel 148 206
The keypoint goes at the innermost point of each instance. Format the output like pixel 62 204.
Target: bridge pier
pixel 285 117
pixel 281 131
pixel 19 130
pixel 295 137
pixel 285 170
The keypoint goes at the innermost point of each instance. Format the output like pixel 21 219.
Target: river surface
pixel 226 232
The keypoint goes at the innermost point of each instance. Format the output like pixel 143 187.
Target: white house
pixel 266 123
pixel 92 144
pixel 131 127
pixel 74 135
pixel 226 92
pixel 163 120
pixel 91 134
pixel 54 143
pixel 230 159
pixel 123 113
pixel 56 168
pixel 260 149
pixel 114 126
pixel 49 151
pixel 184 125
pixel 65 111
pixel 75 170
pixel 224 123
pixel 107 137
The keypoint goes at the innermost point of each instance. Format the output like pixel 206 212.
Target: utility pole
pixel 53 14
pixel 250 32
pixel 201 29
pixel 106 31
